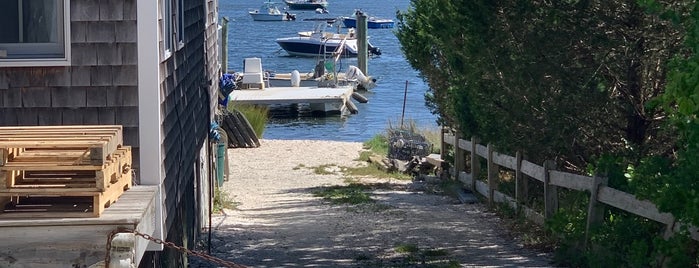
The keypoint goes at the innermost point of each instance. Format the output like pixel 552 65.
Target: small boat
pixel 306 4
pixel 270 12
pixel 372 22
pixel 321 43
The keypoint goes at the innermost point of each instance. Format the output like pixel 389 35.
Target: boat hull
pixel 257 16
pixel 306 5
pixel 371 23
pixel 312 47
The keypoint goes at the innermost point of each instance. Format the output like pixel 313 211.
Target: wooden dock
pixel 324 99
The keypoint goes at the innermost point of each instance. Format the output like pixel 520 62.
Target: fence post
pixel 475 164
pixel 550 191
pixel 458 156
pixel 595 209
pixel 492 174
pixel 520 181
pixel 442 144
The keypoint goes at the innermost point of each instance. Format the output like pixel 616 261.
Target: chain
pixel 156 240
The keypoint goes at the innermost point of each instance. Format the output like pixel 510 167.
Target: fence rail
pixel 547 174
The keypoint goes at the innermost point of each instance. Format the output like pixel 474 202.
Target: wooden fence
pixel 600 193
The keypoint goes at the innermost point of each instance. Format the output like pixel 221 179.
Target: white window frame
pixel 172 26
pixel 64 38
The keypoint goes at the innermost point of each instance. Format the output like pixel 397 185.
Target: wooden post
pixel 492 174
pixel 224 44
pixel 442 144
pixel 550 191
pixel 362 43
pixel 475 164
pixel 595 209
pixel 520 181
pixel 4 156
pixel 459 162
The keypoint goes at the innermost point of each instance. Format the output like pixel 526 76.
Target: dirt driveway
pixel 279 223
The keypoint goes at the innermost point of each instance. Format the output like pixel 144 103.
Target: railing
pixel 600 193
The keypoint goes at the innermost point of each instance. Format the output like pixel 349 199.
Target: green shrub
pixel 256 115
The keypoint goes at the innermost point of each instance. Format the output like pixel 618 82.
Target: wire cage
pixel 405 144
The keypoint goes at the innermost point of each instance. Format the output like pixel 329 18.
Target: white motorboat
pixel 270 12
pixel 321 43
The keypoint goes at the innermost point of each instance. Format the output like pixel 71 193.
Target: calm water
pixel 248 38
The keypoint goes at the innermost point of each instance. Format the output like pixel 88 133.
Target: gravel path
pixel 279 223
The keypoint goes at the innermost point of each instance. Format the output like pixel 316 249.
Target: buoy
pixel 359 97
pixel 295 78
pixel 351 107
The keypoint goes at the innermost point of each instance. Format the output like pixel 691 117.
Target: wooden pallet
pixel 95 143
pixel 51 177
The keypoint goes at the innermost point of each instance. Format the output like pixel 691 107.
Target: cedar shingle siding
pixel 101 87
pixel 103 64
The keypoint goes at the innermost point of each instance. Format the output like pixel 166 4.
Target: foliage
pixel 377 144
pixel 555 79
pixel 352 194
pixel 603 87
pixel 256 115
pixel 222 200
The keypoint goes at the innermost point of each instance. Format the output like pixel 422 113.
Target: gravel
pixel 279 223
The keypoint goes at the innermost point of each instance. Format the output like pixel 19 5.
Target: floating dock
pixel 326 100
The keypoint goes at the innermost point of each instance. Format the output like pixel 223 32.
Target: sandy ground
pixel 279 223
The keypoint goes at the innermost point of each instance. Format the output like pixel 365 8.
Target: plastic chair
pixel 253 76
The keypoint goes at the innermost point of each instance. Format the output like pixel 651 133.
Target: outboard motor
pixel 365 81
pixel 376 51
pixel 290 16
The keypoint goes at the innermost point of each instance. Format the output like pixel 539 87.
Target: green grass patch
pixel 351 194
pixel 377 144
pixel 222 200
pixel 256 115
pixel 324 169
pixel 376 172
pixel 407 248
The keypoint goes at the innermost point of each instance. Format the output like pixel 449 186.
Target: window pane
pixel 39 21
pixel 9 19
pixel 32 29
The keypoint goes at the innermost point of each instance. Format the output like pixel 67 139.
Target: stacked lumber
pixel 62 171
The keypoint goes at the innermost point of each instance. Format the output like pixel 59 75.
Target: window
pixel 172 25
pixel 34 31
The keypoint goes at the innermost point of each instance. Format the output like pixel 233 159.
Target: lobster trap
pixel 405 144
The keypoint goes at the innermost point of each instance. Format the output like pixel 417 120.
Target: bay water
pixel 248 38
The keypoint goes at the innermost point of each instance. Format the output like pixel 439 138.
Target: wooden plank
pixel 550 191
pixel 628 202
pixel 571 181
pixel 465 145
pixel 60 242
pixel 595 210
pixel 481 151
pixel 449 139
pixel 459 155
pixel 533 170
pixel 4 157
pixel 505 160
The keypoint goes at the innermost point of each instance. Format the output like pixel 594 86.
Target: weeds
pixel 222 200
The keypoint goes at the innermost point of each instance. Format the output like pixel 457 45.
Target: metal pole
pixel 362 43
pixel 405 96
pixel 224 44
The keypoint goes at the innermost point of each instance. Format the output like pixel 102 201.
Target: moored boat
pixel 372 22
pixel 306 4
pixel 320 43
pixel 269 11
